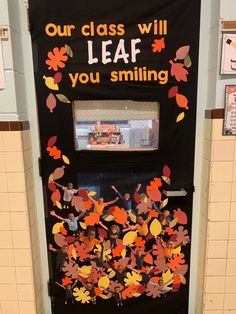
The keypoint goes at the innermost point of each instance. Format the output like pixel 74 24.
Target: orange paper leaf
pixel 92 219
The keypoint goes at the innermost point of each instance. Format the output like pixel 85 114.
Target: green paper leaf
pixel 63 98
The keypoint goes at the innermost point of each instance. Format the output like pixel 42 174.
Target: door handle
pixel 177 193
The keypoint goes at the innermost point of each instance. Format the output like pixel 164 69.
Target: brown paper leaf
pixel 164 203
pixel 63 98
pixel 187 61
pixel 69 51
pixel 166 179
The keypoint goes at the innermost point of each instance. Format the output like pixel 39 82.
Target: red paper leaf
pixel 102 233
pixel 173 91
pixel 182 52
pixel 158 45
pixel 166 171
pixel 181 216
pixel 178 71
pixel 52 141
pixel 56 196
pixel 57 77
pixel 136 197
pixel 92 219
pixel 51 102
pixel 182 101
pixel 58 173
pixel 83 193
pixel 52 186
pixel 56 58
pixel 154 195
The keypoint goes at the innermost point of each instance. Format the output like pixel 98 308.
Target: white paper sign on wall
pixel 2 72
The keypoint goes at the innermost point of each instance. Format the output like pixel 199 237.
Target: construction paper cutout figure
pixel 141 226
pixel 90 241
pixel 100 205
pixel 114 234
pixel 117 295
pixel 62 255
pixel 69 192
pixel 69 291
pixel 126 199
pixel 91 289
pixel 139 256
pixel 71 221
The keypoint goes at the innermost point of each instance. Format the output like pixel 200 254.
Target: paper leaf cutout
pixel 56 196
pixel 173 91
pixel 83 225
pixel 178 71
pixel 182 52
pixel 187 61
pixel 56 58
pixel 58 204
pixel 58 173
pixel 155 195
pixel 51 103
pixel 63 98
pixel 155 227
pixel 176 261
pixel 50 178
pixel 52 141
pixel 182 279
pixel 180 117
pixel 167 276
pixel 108 217
pixel 92 193
pixel 181 216
pixel 57 77
pixel 52 186
pixel 173 223
pixel 148 259
pixel 65 159
pixel 120 215
pixel 164 203
pixel 104 282
pixel 81 295
pixel 140 242
pixel 60 240
pixel 166 171
pixel 54 152
pixel 166 179
pixel 129 237
pixel 182 101
pixel 132 217
pixel 66 281
pixel 56 228
pixel 133 278
pixel 92 219
pixel 69 51
pixel 136 197
pixel 158 45
pixel 49 82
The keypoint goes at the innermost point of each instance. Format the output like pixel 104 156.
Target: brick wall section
pixel 219 170
pixel 19 247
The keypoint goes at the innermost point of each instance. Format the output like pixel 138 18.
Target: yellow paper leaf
pixel 104 282
pixel 166 179
pixel 92 193
pixel 182 279
pixel 108 217
pixel 180 117
pixel 112 274
pixel 132 217
pixel 136 294
pixel 83 225
pixel 164 203
pixel 177 250
pixel 50 178
pixel 167 277
pixel 129 237
pixel 84 271
pixel 65 159
pixel 56 228
pixel 62 98
pixel 123 253
pixel 58 204
pixel 73 253
pixel 173 222
pixel 155 227
pixel 49 82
